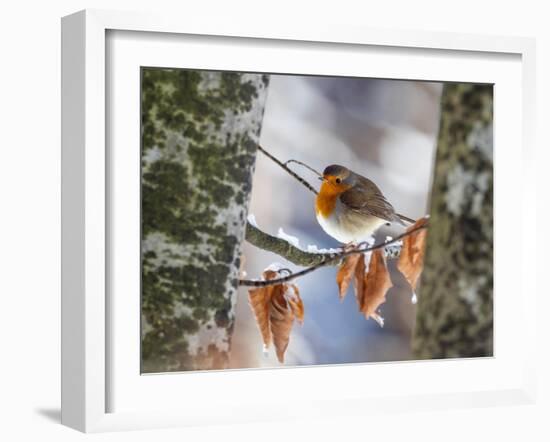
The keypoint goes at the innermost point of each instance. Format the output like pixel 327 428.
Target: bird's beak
pixel 321 178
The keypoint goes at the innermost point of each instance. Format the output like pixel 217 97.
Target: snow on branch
pixel 314 260
pixel 283 247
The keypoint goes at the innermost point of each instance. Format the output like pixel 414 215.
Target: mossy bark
pixel 283 248
pixel 199 136
pixel 455 308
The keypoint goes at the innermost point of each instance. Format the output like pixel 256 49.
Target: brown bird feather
pixel 367 199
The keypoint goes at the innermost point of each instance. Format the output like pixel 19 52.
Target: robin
pixel 350 207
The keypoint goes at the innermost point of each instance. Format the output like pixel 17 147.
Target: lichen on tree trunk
pixel 199 135
pixel 455 309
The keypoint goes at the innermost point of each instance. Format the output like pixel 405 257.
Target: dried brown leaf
pixel 259 300
pixel 376 283
pixel 345 272
pixel 275 308
pixel 359 277
pixel 281 319
pixel 292 295
pixel 411 258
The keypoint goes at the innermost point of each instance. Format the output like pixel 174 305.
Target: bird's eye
pixel 338 180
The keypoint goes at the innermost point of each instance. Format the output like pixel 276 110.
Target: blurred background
pixel 383 129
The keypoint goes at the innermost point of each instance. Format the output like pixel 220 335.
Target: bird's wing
pixel 366 198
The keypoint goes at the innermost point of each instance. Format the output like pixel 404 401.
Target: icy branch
pixel 283 248
pixel 314 261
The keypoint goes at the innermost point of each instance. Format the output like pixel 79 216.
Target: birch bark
pixel 199 136
pixel 455 308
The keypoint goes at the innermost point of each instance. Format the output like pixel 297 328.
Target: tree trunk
pixel 455 309
pixel 199 137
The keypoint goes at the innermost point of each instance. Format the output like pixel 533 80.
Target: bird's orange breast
pixel 325 203
pixel 326 198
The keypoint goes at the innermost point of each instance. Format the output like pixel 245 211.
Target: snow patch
pixel 370 241
pixel 288 238
pixel 274 267
pixel 252 220
pixel 312 248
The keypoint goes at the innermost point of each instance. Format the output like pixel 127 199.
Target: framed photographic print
pixel 250 215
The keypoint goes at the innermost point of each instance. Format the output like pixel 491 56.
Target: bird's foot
pixel 350 246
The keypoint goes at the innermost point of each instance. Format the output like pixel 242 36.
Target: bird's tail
pixel 402 218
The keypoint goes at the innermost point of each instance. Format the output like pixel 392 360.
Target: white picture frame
pixel 86 354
